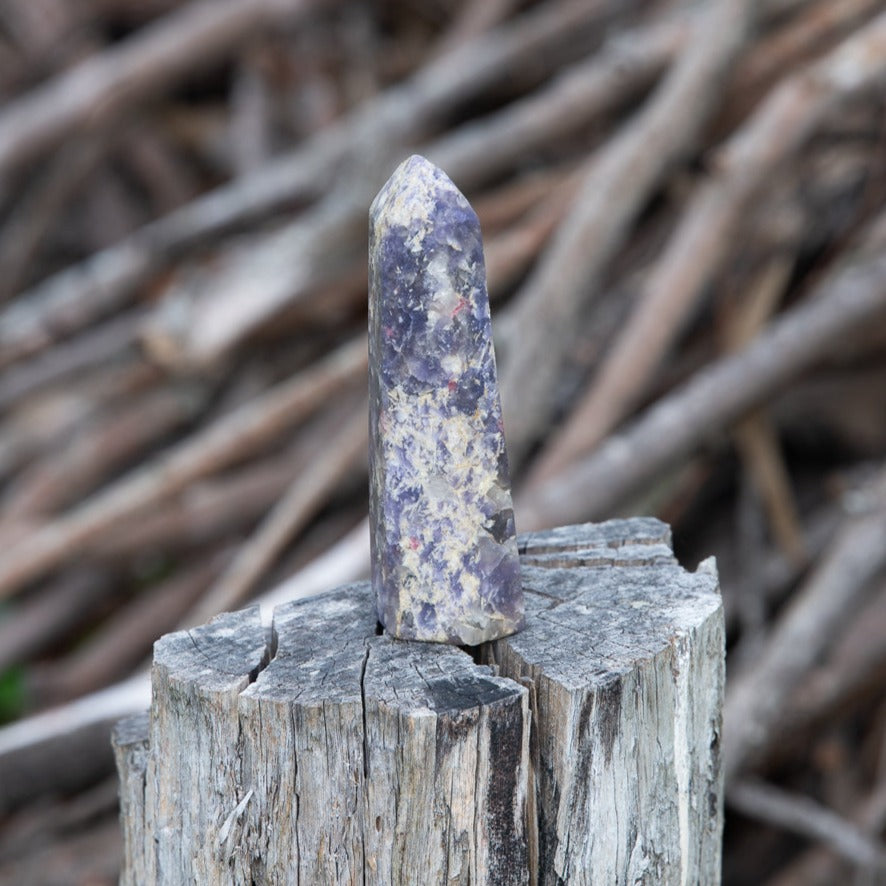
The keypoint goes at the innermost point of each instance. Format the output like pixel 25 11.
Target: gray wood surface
pixel 584 749
pixel 131 744
pixel 624 655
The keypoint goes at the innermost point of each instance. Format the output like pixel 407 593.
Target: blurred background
pixel 684 221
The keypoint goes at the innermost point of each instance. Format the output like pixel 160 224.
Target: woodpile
pixel 683 211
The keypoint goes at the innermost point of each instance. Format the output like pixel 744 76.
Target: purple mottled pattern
pixel 444 554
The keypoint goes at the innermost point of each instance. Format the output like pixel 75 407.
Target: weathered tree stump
pixel 583 749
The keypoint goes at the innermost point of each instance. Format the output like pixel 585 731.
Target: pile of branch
pixel 683 207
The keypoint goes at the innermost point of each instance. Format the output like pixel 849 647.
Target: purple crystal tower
pixel 445 565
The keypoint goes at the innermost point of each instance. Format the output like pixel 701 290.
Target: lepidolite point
pixel 445 565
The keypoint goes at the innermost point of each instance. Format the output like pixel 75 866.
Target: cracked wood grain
pixel 583 749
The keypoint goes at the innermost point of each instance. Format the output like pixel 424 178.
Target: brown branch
pixel 510 253
pixel 346 561
pixel 33 217
pixel 803 816
pixel 125 639
pixel 755 437
pixel 28 747
pixel 75 839
pixel 612 195
pixel 44 617
pixel 503 206
pixel 307 493
pixel 169 181
pixel 30 750
pixel 848 405
pixel 817 866
pixel 478 151
pixel 848 682
pixel 771 579
pixel 473 18
pixel 104 85
pixel 44 419
pixel 205 315
pixel 856 669
pixel 845 303
pixel 107 446
pixel 95 348
pixel 222 506
pixel 200 514
pixel 755 700
pixel 66 302
pixel 759 448
pixel 219 444
pixel 706 233
pixel 813 31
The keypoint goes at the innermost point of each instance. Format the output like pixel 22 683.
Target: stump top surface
pixel 327 648
pixel 586 624
pixel 131 730
pixel 599 598
pixel 222 655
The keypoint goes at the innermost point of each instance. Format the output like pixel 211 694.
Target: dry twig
pixel 707 233
pixel 125 640
pixel 807 818
pixel 756 698
pixel 206 314
pixel 31 749
pixel 101 87
pixel 94 348
pixel 615 190
pixel 72 299
pixel 66 603
pixel 685 418
pixel 307 493
pixel 218 445
pixel 104 448
pixel 755 437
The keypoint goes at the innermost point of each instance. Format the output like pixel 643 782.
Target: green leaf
pixel 12 694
